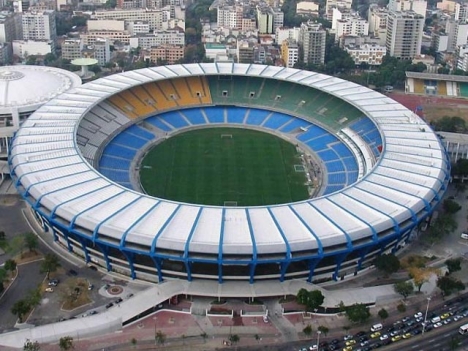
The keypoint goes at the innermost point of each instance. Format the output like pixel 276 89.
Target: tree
pixel 10 265
pixel 448 285
pixel 358 313
pixel 31 242
pixel 401 307
pixel 160 337
pixel 3 276
pixel 33 297
pixel 453 265
pixel 420 276
pixel 31 345
pixel 404 288
pixel 323 329
pixel 387 263
pixel 2 236
pixel 20 308
pixel 311 299
pixel 307 330
pixel 66 343
pixel 383 314
pixel 234 338
pixel 204 335
pixel 49 264
pixel 451 206
pixel 133 341
pixel 452 124
pixel 257 337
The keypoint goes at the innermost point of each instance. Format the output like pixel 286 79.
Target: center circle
pixel 225 167
pixel 114 290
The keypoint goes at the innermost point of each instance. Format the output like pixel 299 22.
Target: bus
pixel 463 329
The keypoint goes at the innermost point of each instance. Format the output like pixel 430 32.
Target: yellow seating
pixel 183 93
pixel 199 89
pixel 140 108
pixel 162 102
pixel 123 105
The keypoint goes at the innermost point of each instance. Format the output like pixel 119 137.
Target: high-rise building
pixel 39 25
pixel 230 16
pixel 418 6
pixel 377 18
pixel 354 26
pixel 312 38
pixel 8 28
pixel 404 34
pixel 71 49
pixel 457 32
pixel 265 20
pixel 289 52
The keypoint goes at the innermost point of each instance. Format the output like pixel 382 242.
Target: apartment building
pixel 312 38
pixel 404 34
pixel 157 38
pixel 230 16
pixel 457 32
pixel 290 52
pixel 154 18
pixel 372 54
pixel 71 49
pixel 418 6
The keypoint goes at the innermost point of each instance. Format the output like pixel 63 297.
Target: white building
pixel 290 52
pixel 39 25
pixel 377 18
pixel 418 6
pixel 404 34
pixel 25 48
pixel 154 18
pixel 439 41
pixel 462 57
pixel 312 38
pixel 9 28
pixel 159 37
pixel 71 49
pixel 230 16
pixel 461 11
pixel 351 26
pixel 101 51
pixel 344 4
pixel 371 54
pixel 138 27
pixel 307 8
pixel 105 24
pixel 283 33
pixel 457 32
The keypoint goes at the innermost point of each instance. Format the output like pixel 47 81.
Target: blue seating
pixel 276 120
pixel 352 176
pixel 174 119
pixel 119 151
pixel 140 132
pixel 155 121
pixel 236 114
pixel 337 178
pixel 129 140
pixel 328 155
pixel 194 116
pixel 312 132
pixel 256 117
pixel 335 166
pixel 295 124
pixel 215 114
pixel 350 164
pixel 116 175
pixel 320 143
pixel 332 188
pixel 369 133
pixel 342 150
pixel 113 162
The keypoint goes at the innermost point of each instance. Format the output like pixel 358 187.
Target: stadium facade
pixel 75 161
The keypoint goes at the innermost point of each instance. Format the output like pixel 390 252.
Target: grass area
pixel 74 294
pixel 249 168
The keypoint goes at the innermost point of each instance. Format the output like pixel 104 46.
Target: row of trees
pixel 65 344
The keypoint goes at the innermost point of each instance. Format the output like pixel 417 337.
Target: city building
pixel 290 52
pixel 418 6
pixel 25 48
pixel 245 52
pixel 90 38
pixel 264 20
pixel 105 24
pixel 154 18
pixel 10 27
pixel 71 49
pixel 439 41
pixel 353 26
pixel 5 54
pixel 283 33
pixel 214 50
pixel 230 16
pixel 307 8
pixel 100 51
pixel 169 54
pixel 340 4
pixel 462 57
pixel 404 34
pixel 312 39
pixel 377 17
pixel 137 27
pixel 157 38
pixel 457 32
pixel 39 25
pixel 461 11
pixel 371 54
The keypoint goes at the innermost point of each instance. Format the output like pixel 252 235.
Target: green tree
pixel 20 308
pixel 257 337
pixel 31 345
pixel 2 236
pixel 3 277
pixel 358 313
pixel 33 297
pixel 387 263
pixel 234 338
pixel 133 341
pixel 160 337
pixel 311 299
pixel 383 314
pixel 204 335
pixel 453 265
pixel 10 265
pixel 66 343
pixel 50 264
pixel 404 288
pixel 31 242
pixel 452 124
pixel 307 330
pixel 323 329
pixel 401 307
pixel 448 285
pixel 451 206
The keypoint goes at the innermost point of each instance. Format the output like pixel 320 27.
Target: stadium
pixel 373 169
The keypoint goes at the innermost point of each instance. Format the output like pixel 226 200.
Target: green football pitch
pixel 224 166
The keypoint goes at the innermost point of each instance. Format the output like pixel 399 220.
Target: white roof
pixel 406 178
pixel 24 86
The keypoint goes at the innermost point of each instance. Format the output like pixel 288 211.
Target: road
pixel 28 279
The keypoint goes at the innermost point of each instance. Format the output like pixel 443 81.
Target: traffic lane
pixel 29 278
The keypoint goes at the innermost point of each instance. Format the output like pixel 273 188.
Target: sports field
pixel 224 166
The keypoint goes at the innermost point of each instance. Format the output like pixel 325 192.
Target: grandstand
pixel 382 167
pixel 431 84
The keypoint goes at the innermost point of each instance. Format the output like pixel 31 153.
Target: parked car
pixel 109 305
pixel 93 268
pixel 73 273
pixel 119 300
pixel 417 315
pixel 50 290
pixel 53 282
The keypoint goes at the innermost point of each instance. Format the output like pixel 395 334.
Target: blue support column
pixel 339 261
pixel 220 273
pixel 84 248
pixel 284 267
pixel 54 234
pixel 157 264
pixel 362 256
pixel 67 238
pixel 130 256
pixel 188 267
pixel 312 264
pixel 105 252
pixel 253 265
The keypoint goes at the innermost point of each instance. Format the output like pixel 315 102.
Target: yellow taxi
pixel 396 338
pixel 375 335
pixel 350 342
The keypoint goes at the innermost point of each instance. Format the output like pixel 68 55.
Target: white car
pixel 418 315
pixel 384 337
pixel 313 347
pixel 437 325
pixel 50 290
